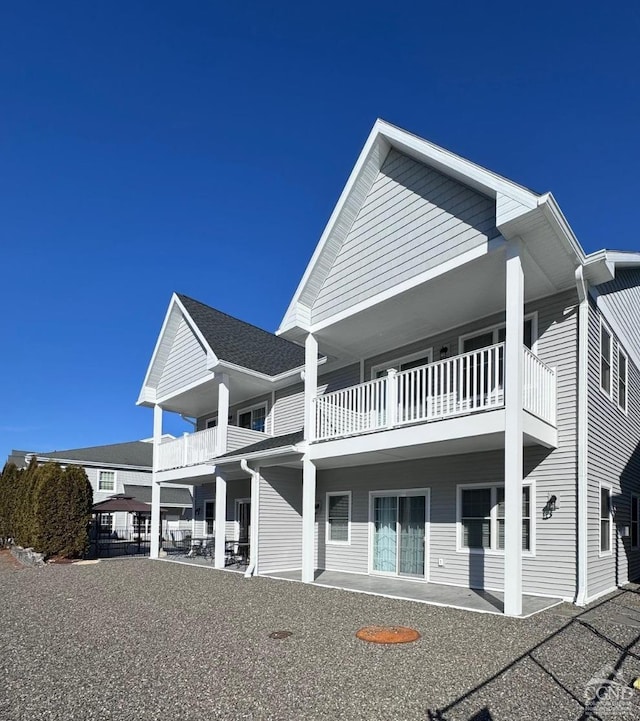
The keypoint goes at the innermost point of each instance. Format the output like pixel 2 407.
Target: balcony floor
pixel 436 594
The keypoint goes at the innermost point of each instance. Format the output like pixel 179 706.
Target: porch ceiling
pixel 467 293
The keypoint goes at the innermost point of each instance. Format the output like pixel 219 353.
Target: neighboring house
pixel 453 395
pixel 120 468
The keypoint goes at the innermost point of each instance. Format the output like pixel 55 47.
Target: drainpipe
pixel 582 286
pixel 253 541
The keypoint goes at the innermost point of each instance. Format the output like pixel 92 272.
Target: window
pixel 253 418
pixel 605 520
pixel 491 336
pixel 106 522
pixel 605 359
pixel 482 518
pixel 422 358
pixel 338 517
pixel 211 422
pixel 210 516
pixel 622 380
pixel 106 480
pixel 635 521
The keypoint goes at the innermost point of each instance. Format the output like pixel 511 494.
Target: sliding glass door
pixel 398 543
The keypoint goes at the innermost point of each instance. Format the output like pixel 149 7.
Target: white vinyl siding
pixel 613 461
pixel 280 519
pixel 186 362
pixel 412 219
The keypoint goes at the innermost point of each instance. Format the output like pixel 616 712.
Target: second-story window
pixel 106 480
pixel 622 380
pixel 605 359
pixel 253 418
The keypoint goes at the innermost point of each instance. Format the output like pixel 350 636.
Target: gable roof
pixel 240 343
pixel 516 208
pixel 133 453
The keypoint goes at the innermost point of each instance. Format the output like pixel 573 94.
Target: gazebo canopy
pixel 121 502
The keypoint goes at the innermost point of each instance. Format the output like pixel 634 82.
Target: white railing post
pixel 392 397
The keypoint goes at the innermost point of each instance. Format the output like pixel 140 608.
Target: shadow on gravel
pixel 590 704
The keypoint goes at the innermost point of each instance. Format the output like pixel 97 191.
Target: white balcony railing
pixel 539 388
pixel 189 450
pixel 466 383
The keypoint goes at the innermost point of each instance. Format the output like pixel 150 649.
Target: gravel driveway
pixel 136 639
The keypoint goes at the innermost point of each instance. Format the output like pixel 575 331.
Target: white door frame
pixel 237 503
pixel 426 492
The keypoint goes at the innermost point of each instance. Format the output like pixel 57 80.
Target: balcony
pixel 465 384
pixel 193 449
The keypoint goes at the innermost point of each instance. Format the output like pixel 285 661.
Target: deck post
pixel 310 386
pixel 308 519
pixel 513 436
pixel 223 414
pixel 155 485
pixel 221 520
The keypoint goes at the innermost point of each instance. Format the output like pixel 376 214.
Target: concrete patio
pixel 436 594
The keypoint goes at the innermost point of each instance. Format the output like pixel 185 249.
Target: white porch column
pixel 155 485
pixel 223 413
pixel 513 437
pixel 308 519
pixel 310 386
pixel 221 520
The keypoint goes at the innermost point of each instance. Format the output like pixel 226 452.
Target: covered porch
pixel 435 594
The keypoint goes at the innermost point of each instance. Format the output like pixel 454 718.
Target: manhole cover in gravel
pixel 388 634
pixel 280 634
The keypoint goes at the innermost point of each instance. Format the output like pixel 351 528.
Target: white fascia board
pixel 555 217
pixel 92 464
pixel 147 397
pixel 490 246
pixel 272 453
pixel 454 166
pixel 211 356
pixel 225 365
pixel 384 135
pixel 373 140
pixel 145 383
pixel 181 474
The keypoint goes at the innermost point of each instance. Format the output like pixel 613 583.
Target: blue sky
pixel 147 147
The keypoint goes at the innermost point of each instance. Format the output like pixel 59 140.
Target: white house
pixel 451 402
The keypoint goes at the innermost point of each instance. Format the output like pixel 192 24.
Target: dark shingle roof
pixel 134 453
pixel 168 494
pixel 243 344
pixel 290 439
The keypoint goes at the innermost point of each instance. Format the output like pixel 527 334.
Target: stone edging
pixel 27 556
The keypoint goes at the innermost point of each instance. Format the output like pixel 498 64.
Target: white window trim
pixel 609 395
pixel 204 515
pixel 426 492
pixel 533 317
pixel 635 500
pixel 623 353
pixel 115 480
pixel 252 408
pixel 494 551
pixel 608 487
pixel 208 420
pixel 397 362
pixel 328 540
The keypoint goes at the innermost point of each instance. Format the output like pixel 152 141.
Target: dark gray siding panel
pixel 412 219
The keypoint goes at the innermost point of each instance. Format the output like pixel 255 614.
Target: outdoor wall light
pixel 197 511
pixel 549 508
pixel 444 351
